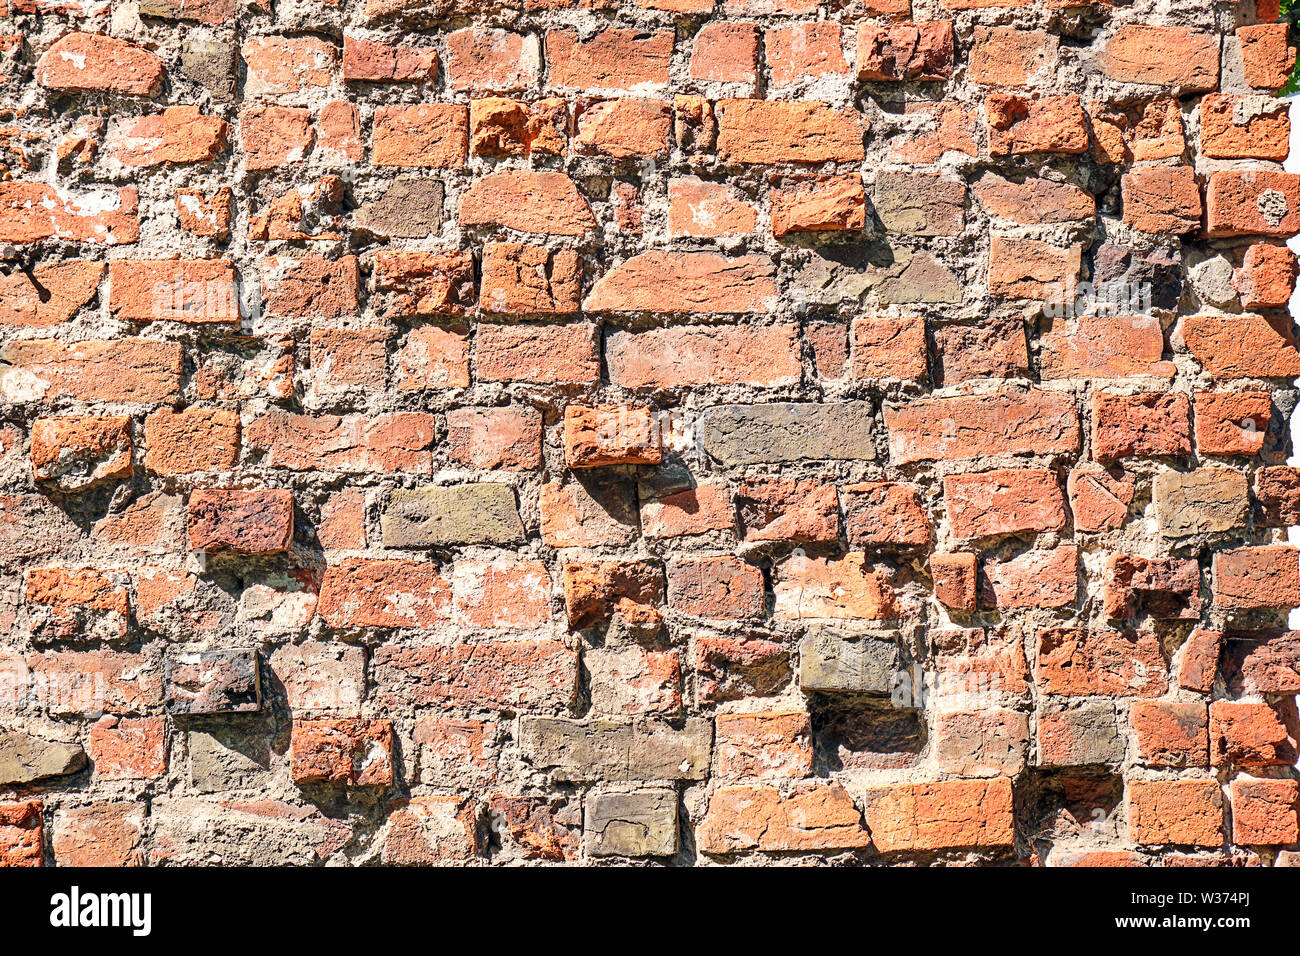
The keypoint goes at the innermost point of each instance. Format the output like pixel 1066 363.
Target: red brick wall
pixel 673 430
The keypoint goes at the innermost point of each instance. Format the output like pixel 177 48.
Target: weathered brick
pixel 1077 662
pixel 1260 577
pixel 911 817
pixel 1008 501
pixel 906 51
pixel 1264 812
pixel 696 355
pixel 1187 60
pixel 497 675
pixel 760 817
pixel 762 131
pixel 1252 734
pixel 718 588
pixel 1180 812
pixel 973 426
pixel 610 435
pixel 342 752
pixel 90 63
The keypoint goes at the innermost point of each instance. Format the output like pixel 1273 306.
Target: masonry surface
pixel 669 431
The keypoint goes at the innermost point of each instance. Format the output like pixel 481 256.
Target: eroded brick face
pixel 745 432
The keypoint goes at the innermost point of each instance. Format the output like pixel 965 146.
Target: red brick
pixel 432 358
pixel 508 438
pixel 480 60
pixel 1034 579
pixel 1252 734
pixel 1180 812
pixel 1200 660
pixel 767 744
pixel 574 517
pixel 76 451
pixel 611 60
pixel 905 51
pixel 496 675
pixel 500 126
pixel 759 817
pixel 203 214
pixel 31 212
pixel 1034 201
pixel 410 284
pixel 707 210
pixel 536 202
pixel 433 135
pixel 1018 125
pixel 686 282
pixel 974 426
pixel 20 833
pixel 129 748
pixel 1261 577
pixel 525 279
pixel 1187 60
pixel 955 580
pixel 274 135
pixel 429 830
pixel 1264 812
pixel 177 135
pixel 595 590
pixel 1235 127
pixel 280 65
pixel 91 63
pixel 342 752
pixel 1102 346
pixel 671 357
pixel 1140 425
pixel 542 354
pixel 387 62
pixel 1267 276
pixel 624 128
pixel 805 53
pixel 244 522
pixel 821 204
pixel 1232 423
pixel 1164 588
pixel 1080 662
pixel 987 743
pixel 694 511
pixel 1099 497
pixel 1266 54
pixel 718 588
pixel 791 510
pixel 1031 269
pixel 839 588
pixel 889 348
pixel 610 435
pixel 917 816
pixel 1008 501
pixel 347 361
pixel 1241 346
pixel 1165 200
pixel 1137 130
pixel 1005 56
pixel 342 524
pixel 101 834
pixel 339 139
pixel 312 287
pixel 1256 202
pixel 399 441
pixel 384 593
pixel 634 682
pixel 762 131
pixel 1170 733
pixel 69 603
pixel 70 284
pixel 885 514
pixel 173 290
pixel 725 52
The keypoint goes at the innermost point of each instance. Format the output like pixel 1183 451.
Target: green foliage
pixel 1290 13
